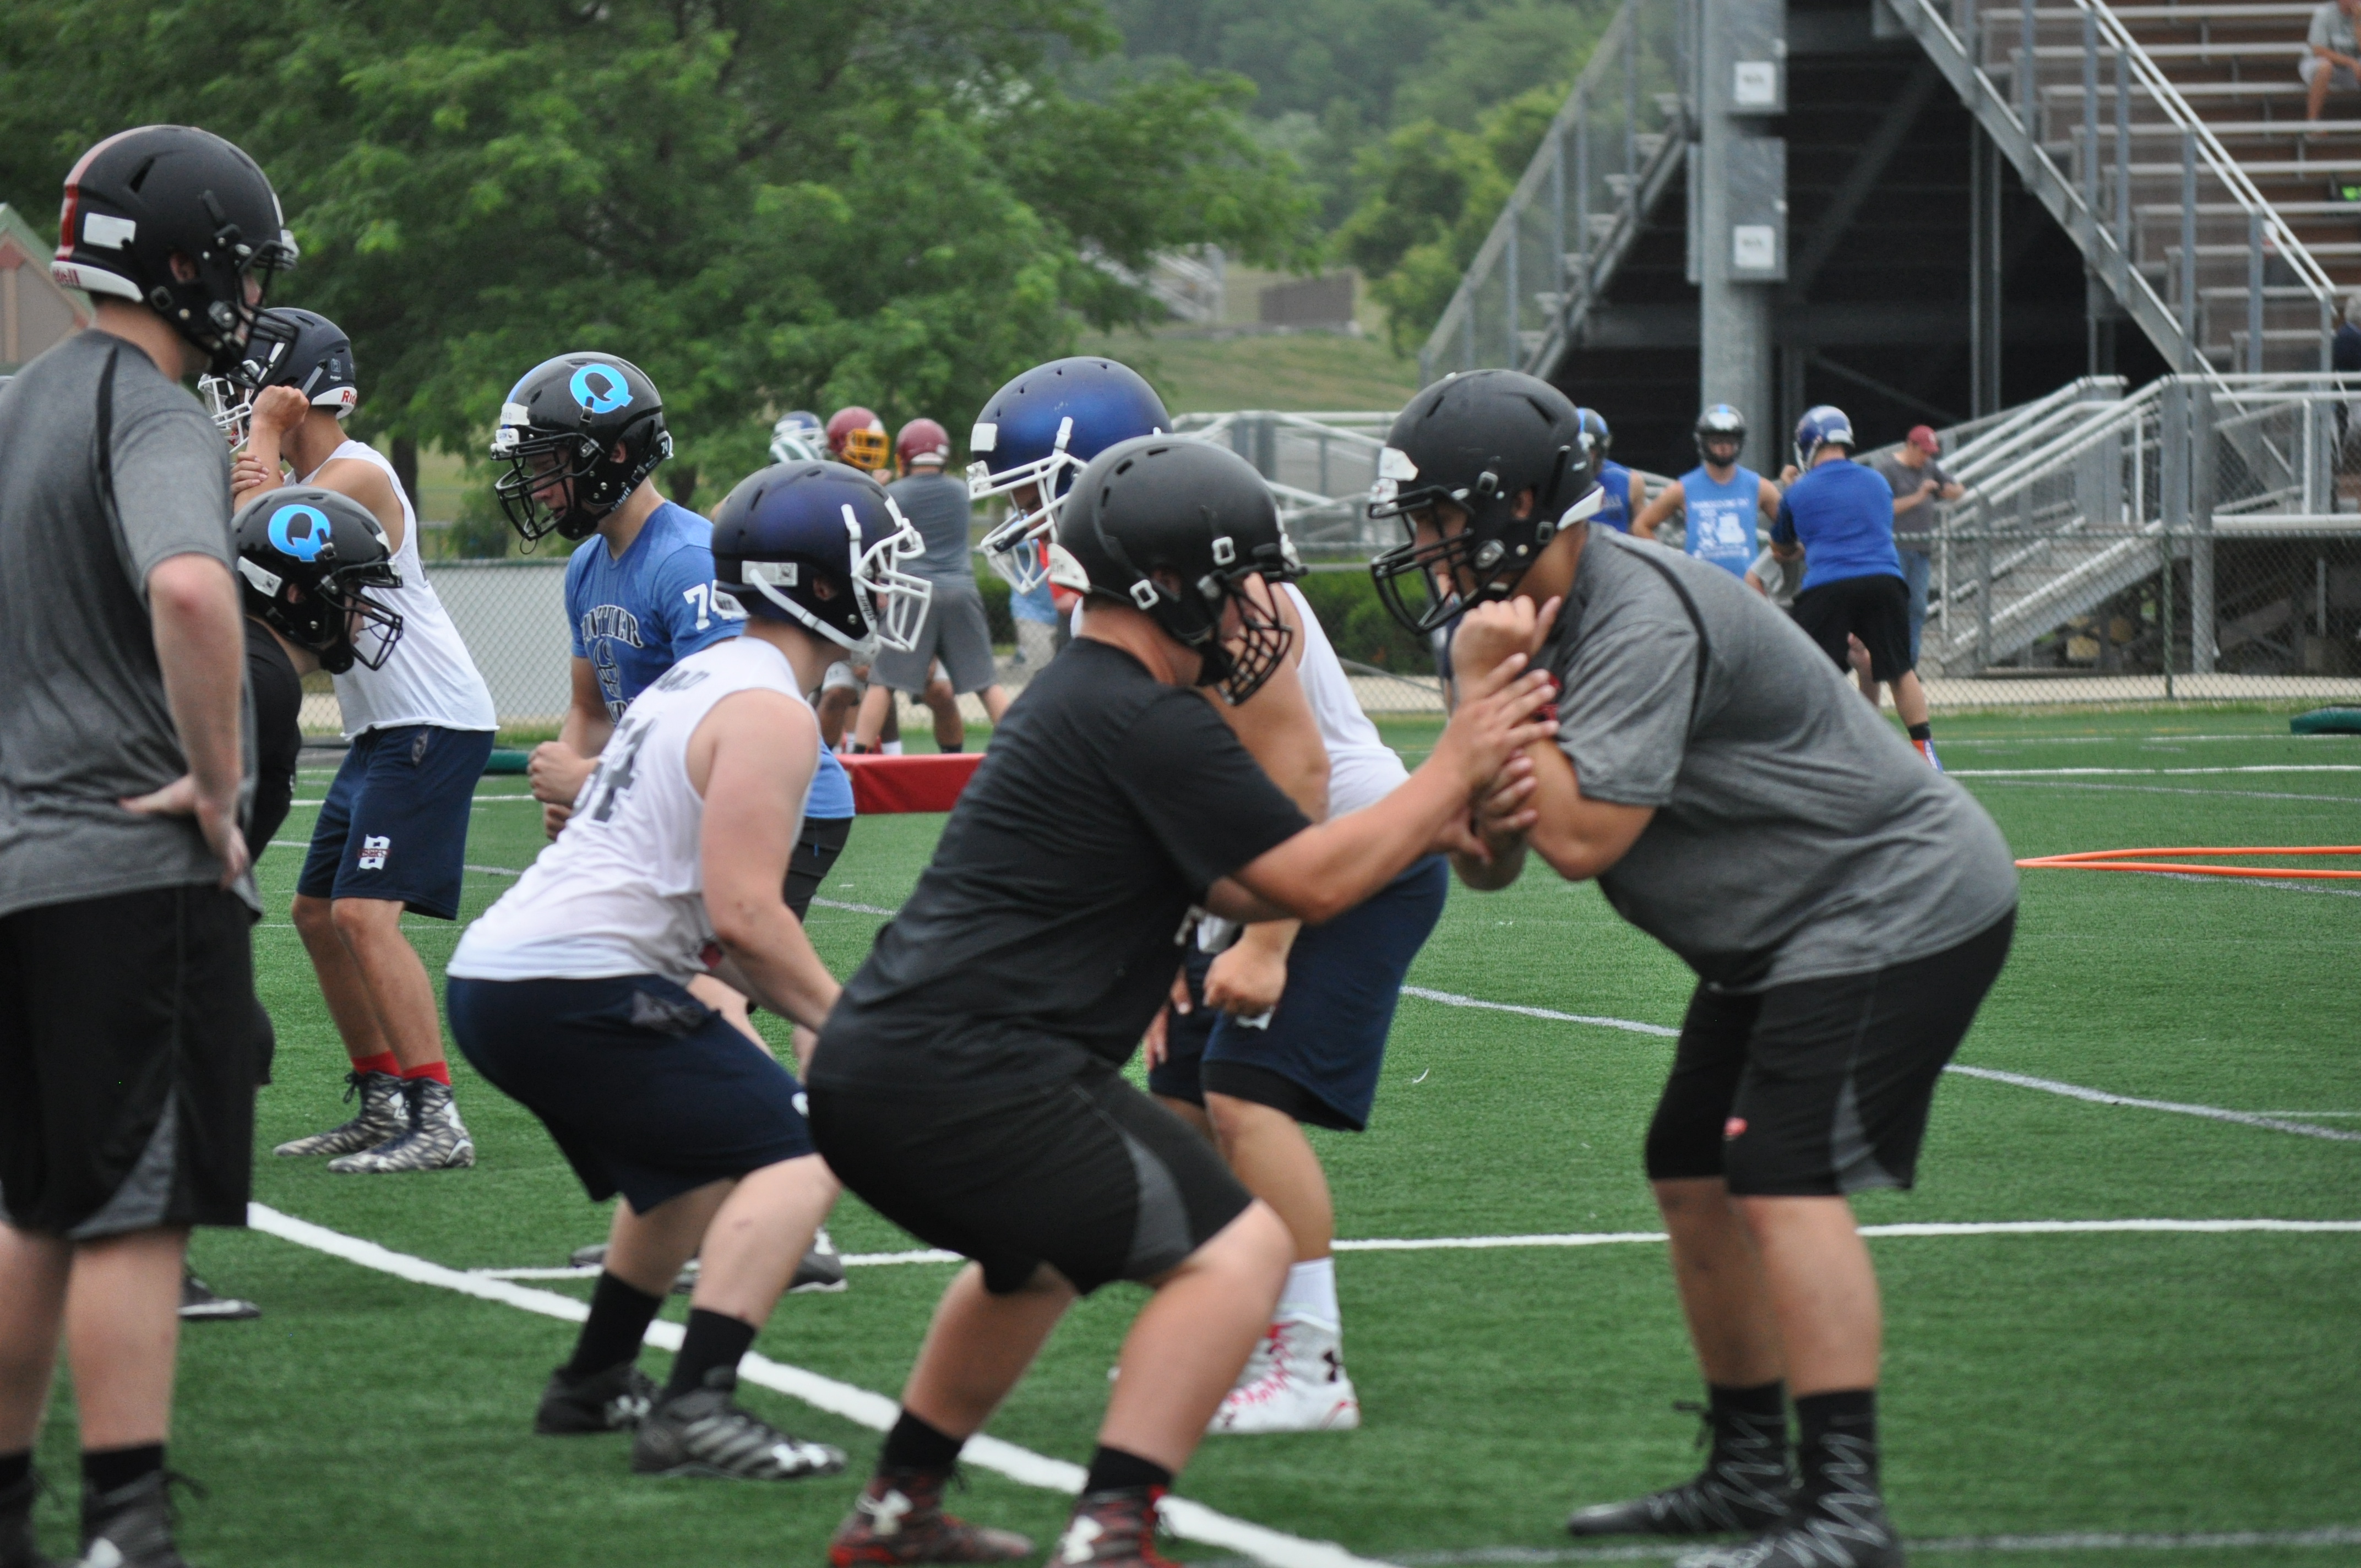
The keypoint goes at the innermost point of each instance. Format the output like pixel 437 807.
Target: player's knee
pixel 311 916
pixel 359 918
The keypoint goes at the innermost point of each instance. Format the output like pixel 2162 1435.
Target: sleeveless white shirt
pixel 1362 769
pixel 430 679
pixel 622 891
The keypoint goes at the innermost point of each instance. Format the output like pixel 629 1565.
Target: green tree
pixel 766 204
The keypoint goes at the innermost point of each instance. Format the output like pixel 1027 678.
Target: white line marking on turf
pixel 2273 884
pixel 855 908
pixel 1193 1522
pixel 2169 789
pixel 2067 772
pixel 1642 1238
pixel 2100 1097
pixel 1452 999
pixel 2078 1541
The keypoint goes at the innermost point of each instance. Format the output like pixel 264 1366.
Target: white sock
pixel 1311 1292
pixel 890 748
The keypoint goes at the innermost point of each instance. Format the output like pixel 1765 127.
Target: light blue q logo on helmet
pixel 317 537
pixel 600 396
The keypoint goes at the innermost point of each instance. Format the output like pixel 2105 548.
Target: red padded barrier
pixel 885 784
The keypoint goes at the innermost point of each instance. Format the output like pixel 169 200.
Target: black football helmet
pixel 820 544
pixel 1481 441
pixel 306 558
pixel 142 198
pixel 1720 425
pixel 578 433
pixel 1202 517
pixel 289 348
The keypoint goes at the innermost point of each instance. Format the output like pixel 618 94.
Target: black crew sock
pixel 1838 1451
pixel 1112 1470
pixel 14 1467
pixel 713 1340
pixel 111 1469
pixel 1767 1400
pixel 1922 733
pixel 619 1315
pixel 913 1445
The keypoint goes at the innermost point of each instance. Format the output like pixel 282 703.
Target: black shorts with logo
pixel 1823 1086
pixel 130 1043
pixel 1085 1174
pixel 1875 608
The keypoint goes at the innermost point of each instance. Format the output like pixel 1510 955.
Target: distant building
pixel 35 313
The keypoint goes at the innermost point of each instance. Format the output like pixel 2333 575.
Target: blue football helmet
pixel 799 437
pixel 820 544
pixel 1594 426
pixel 1036 434
pixel 1823 426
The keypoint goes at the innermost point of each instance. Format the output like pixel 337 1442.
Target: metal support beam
pixel 1734 364
pixel 1983 273
pixel 2203 476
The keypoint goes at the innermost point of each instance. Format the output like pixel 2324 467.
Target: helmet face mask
pixel 1501 450
pixel 1017 546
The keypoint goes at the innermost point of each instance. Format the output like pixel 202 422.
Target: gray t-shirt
pixel 84 722
pixel 1917 524
pixel 937 506
pixel 2332 30
pixel 1796 835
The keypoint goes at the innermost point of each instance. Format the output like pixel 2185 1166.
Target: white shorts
pixel 2311 65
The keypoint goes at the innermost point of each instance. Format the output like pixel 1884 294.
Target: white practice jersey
pixel 1362 769
pixel 622 891
pixel 430 679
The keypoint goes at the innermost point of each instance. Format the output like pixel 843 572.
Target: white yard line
pixel 1644 1238
pixel 1193 1521
pixel 2069 772
pixel 2100 1097
pixel 1453 999
pixel 2075 1540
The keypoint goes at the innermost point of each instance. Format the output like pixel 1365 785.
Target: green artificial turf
pixel 2159 1383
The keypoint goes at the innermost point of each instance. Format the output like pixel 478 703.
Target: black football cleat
pixel 705 1432
pixel 131 1526
pixel 199 1305
pixel 613 1400
pixel 1745 1487
pixel 20 1546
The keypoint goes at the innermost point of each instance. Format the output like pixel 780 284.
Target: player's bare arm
pixel 753 760
pixel 1651 517
pixel 1326 870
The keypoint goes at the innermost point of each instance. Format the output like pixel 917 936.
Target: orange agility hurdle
pixel 2136 860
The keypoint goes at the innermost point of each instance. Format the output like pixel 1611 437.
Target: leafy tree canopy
pixel 764 203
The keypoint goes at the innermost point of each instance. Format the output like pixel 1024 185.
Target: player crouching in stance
pixel 968 1085
pixel 1845 908
pixel 571 993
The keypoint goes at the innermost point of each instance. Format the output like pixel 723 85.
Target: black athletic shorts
pixel 1874 608
pixel 1087 1174
pixel 645 1089
pixel 1821 1086
pixel 129 1048
pixel 816 852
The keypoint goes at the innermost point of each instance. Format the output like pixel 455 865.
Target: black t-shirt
pixel 278 733
pixel 1045 930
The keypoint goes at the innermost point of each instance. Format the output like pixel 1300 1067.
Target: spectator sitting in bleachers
pixel 2332 62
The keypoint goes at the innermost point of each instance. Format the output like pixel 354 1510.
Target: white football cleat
pixel 1294 1381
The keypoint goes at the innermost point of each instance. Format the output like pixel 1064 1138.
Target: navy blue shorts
pixel 1318 1060
pixel 395 823
pixel 645 1089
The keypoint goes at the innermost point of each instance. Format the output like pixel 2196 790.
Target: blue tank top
pixel 1615 511
pixel 1721 516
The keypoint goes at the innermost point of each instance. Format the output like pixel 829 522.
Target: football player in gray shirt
pixel 1844 906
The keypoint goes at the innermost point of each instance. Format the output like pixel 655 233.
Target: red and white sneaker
pixel 1114 1529
pixel 1295 1381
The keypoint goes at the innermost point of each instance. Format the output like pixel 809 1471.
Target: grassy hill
pixel 1299 373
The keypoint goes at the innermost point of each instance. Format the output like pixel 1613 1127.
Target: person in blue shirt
pixel 1624 490
pixel 1840 515
pixel 1718 499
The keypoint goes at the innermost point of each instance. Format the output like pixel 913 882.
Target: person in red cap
pixel 956 633
pixel 1918 482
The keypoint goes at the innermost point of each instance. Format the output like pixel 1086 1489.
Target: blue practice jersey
pixel 1615 511
pixel 1842 514
pixel 636 615
pixel 1721 516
